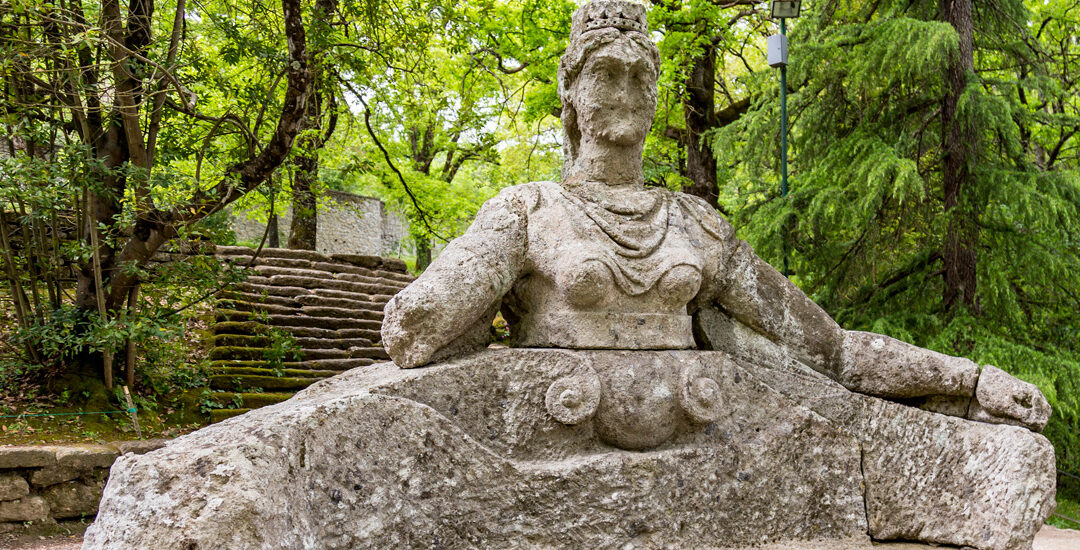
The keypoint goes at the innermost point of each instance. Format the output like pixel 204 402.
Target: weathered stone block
pixel 32 508
pixel 466 455
pixel 52 475
pixel 929 477
pixel 73 499
pixel 26 457
pixel 13 486
pixel 85 457
pixel 140 446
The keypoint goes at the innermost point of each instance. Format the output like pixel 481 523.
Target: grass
pixel 31 421
pixel 1067 514
pixel 1068 508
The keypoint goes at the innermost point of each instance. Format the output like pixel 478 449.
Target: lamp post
pixel 778 57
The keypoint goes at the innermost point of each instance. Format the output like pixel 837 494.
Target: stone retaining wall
pixel 348 224
pixel 43 484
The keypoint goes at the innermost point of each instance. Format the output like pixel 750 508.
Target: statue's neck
pixel 602 162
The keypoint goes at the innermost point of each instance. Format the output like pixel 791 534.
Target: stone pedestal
pixel 467 454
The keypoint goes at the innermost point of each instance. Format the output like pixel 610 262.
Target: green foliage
pixel 280 347
pixel 469 115
pixel 866 214
pixel 209 401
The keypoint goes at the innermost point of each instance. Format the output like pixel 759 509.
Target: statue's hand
pixel 1001 398
pixel 406 320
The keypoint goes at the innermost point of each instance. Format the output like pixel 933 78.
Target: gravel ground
pixel 1050 538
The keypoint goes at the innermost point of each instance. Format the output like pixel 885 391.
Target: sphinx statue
pixel 665 388
pixel 599 261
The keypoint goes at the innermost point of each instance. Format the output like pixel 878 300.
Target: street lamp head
pixel 783 9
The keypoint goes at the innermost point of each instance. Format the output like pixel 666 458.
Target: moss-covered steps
pixel 299 318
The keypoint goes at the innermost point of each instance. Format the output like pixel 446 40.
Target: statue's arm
pixel 449 308
pixel 753 292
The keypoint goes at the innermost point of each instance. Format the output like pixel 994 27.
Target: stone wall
pixel 43 484
pixel 348 224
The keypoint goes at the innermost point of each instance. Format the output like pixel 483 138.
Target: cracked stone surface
pixel 929 477
pixel 465 454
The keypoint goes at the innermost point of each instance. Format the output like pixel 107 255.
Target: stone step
pixel 286 253
pixel 251 400
pixel 254 364
pixel 373 262
pixel 271 270
pixel 344 313
pixel 247 381
pixel 255 371
pixel 338 267
pixel 363 358
pixel 254 328
pixel 241 340
pixel 327 271
pixel 253 353
pixel 378 269
pixel 255 307
pixel 372 352
pixel 343 364
pixel 262 260
pixel 259 341
pixel 251 297
pixel 271 290
pixel 269 255
pixel 294 320
pixel 217 415
pixel 353 277
pixel 238 327
pixel 349 295
pixel 327 301
pixel 333 284
pixel 333 343
pixel 251 327
pixel 258 280
pixel 374 336
pixel 378 301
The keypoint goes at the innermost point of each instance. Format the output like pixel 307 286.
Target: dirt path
pixel 1049 538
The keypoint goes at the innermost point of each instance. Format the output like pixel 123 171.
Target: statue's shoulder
pixel 531 194
pixel 707 217
pixel 688 199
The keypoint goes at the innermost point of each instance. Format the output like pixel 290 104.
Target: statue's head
pixel 607 77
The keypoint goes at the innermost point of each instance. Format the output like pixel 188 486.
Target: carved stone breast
pixel 608 276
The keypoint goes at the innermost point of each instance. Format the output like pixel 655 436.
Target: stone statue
pixel 667 389
pixel 602 262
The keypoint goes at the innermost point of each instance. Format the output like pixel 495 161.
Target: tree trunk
pixel 423 253
pixel 272 232
pixel 699 107
pixel 959 143
pixel 303 230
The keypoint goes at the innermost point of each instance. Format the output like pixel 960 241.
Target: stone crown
pixel 621 15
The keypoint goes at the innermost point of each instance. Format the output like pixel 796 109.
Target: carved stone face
pixel 615 94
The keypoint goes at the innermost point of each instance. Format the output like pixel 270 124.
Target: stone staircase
pixel 328 309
